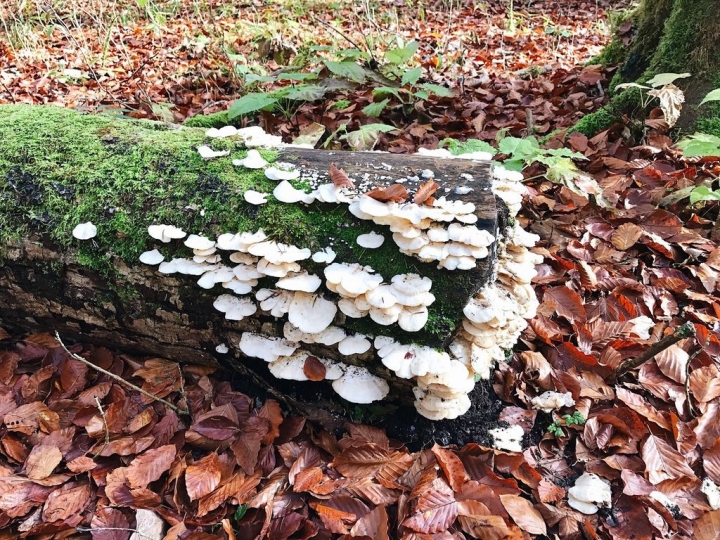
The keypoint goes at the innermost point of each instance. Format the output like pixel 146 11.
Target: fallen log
pixel 375 273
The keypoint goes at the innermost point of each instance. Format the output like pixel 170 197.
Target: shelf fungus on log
pixel 393 277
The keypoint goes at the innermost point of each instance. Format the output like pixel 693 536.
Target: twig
pixel 119 379
pixel 692 357
pixel 338 32
pixel 12 96
pixel 683 331
pixel 104 421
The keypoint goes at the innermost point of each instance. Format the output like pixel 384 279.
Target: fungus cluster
pixel 434 230
pixel 590 493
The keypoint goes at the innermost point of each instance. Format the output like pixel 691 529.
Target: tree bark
pixel 59 168
pixel 672 36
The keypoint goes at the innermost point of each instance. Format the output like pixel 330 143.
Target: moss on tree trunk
pixel 673 36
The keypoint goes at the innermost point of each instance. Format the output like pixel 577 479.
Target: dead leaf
pixel 393 193
pixel 625 236
pixel 150 466
pixel 663 462
pixel 524 514
pixel 425 191
pixel 42 461
pixel 203 477
pixel 340 178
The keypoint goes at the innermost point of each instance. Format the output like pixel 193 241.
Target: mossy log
pixel 59 168
pixel 672 36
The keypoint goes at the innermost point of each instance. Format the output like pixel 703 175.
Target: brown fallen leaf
pixel 42 461
pixel 340 178
pixel 425 191
pixel 314 369
pixel 393 193
pixel 625 236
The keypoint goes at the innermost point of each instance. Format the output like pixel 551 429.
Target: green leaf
pixel 700 145
pixel 712 96
pixel 374 109
pixel 564 152
pixel 381 91
pixel 411 76
pixel 421 94
pixel 458 148
pixel 366 137
pixel 306 93
pixel 704 193
pixel 250 103
pixel 401 55
pixel 251 78
pixel 240 512
pixel 524 149
pixel 661 79
pixel 347 70
pixel 352 54
pixel 296 76
pixel 321 48
pixel 437 90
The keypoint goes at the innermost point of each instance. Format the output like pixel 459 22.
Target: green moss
pixel 614 53
pixel 627 102
pixel 59 168
pixel 216 120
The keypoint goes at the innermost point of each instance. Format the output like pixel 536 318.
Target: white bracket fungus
pixel 152 257
pixel 549 401
pixel 222 349
pixel 285 192
pixel 281 171
pixel 165 233
pixel 195 241
pixel 311 313
pixel 255 197
pixel 356 344
pixel 234 308
pixel 371 240
pixel 358 385
pixel 589 493
pixel 325 256
pixel 225 131
pixel 508 438
pixel 208 153
pixel 303 282
pixel 85 231
pixel 265 348
pixel 253 160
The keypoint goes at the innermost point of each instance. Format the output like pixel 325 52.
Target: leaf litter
pixel 79 450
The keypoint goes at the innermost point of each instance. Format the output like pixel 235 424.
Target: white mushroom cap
pixel 413 319
pixel 326 255
pixel 300 282
pixel 348 307
pixel 246 272
pixel 381 297
pixel 372 207
pixel 84 231
pixel 357 344
pixel 204 252
pixel 255 197
pixel 549 401
pixel 190 267
pixel 267 268
pixel 243 258
pixel 370 240
pixel 311 313
pixel 277 253
pixel 275 301
pixel 590 492
pixel 195 241
pixel 278 172
pixel 222 349
pixel 436 408
pixel 458 379
pixel 239 287
pixel 165 233
pixel 265 348
pixel 152 257
pixel 358 385
pixel 229 241
pixel 253 160
pixel 285 192
pixel 208 153
pixel 225 131
pixel 290 367
pixel 217 275
pixel 509 438
pixel 234 308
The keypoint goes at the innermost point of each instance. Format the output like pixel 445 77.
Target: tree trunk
pixel 672 36
pixel 59 168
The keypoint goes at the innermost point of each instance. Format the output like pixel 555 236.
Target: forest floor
pixel 84 456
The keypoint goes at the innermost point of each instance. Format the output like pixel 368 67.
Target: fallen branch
pixel 119 379
pixel 683 331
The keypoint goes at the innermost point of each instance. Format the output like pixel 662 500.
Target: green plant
pixel 457 148
pixel 574 419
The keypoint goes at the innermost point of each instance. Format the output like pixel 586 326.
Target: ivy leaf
pixel 374 109
pixel 347 70
pixel 411 76
pixel 250 103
